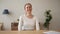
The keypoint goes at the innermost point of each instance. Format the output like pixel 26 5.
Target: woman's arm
pixel 20 24
pixel 37 24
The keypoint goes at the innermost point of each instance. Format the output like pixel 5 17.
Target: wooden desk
pixel 22 32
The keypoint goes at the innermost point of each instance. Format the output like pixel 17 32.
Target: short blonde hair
pixel 28 4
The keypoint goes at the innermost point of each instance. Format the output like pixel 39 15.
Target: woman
pixel 28 21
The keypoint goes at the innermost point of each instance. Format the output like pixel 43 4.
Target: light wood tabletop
pixel 23 32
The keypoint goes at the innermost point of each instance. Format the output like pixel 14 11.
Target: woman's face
pixel 28 8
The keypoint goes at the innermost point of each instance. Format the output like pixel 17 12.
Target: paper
pixel 51 32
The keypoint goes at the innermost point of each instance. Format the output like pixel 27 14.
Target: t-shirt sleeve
pixel 20 24
pixel 37 24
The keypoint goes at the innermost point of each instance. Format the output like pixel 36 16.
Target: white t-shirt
pixel 26 23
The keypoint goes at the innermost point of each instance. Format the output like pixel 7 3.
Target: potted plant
pixel 48 19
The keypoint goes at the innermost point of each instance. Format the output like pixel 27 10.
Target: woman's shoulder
pixel 35 17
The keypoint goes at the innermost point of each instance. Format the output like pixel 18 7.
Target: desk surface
pixel 22 32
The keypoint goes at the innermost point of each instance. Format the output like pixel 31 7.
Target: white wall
pixel 16 8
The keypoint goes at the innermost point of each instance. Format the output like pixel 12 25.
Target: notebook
pixel 51 32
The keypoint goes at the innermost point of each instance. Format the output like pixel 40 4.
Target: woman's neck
pixel 29 15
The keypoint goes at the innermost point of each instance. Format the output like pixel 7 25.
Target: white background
pixel 16 8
